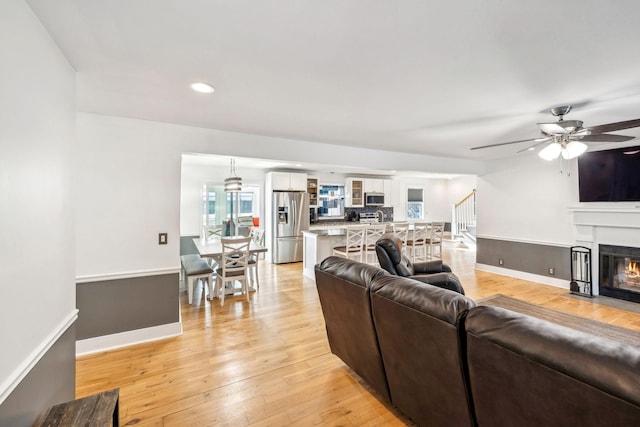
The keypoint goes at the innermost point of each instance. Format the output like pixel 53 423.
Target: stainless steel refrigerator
pixel 290 218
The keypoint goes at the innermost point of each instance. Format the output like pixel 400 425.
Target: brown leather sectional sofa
pixel 443 361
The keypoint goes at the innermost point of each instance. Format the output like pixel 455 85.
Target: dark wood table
pixel 100 409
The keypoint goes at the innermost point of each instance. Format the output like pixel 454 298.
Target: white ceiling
pixel 422 76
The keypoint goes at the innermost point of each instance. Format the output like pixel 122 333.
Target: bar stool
pixel 354 244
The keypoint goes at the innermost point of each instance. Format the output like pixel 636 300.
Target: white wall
pixel 37 287
pixel 129 177
pixel 128 191
pixel 439 195
pixel 527 198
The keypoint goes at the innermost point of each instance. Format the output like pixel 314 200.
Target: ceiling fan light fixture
pixel 551 151
pixel 573 149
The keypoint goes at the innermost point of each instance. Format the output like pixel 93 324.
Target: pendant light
pixel 233 184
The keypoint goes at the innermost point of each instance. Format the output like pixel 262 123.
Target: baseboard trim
pixel 128 338
pixel 9 385
pixel 127 275
pixel 558 283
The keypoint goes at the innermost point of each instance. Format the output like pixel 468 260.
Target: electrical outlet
pixel 162 238
pixel 501 261
pixel 552 271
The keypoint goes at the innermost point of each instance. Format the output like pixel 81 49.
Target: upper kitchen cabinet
pixel 312 189
pixel 388 195
pixel 287 181
pixel 373 185
pixel 354 194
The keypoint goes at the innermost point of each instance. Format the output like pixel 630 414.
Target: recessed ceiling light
pixel 298 165
pixel 202 87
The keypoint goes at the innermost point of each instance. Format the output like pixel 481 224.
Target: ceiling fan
pixel 568 137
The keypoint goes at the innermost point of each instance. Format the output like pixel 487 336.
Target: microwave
pixel 374 199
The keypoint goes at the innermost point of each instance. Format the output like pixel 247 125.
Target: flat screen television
pixel 610 175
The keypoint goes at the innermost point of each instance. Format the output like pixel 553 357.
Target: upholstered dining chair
pixel 417 243
pixel 354 243
pixel 233 265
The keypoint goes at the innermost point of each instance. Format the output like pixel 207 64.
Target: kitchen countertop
pixel 340 225
pixel 328 232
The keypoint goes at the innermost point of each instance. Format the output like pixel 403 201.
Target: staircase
pixel 463 221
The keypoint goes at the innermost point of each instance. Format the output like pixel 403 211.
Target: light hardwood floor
pixel 268 363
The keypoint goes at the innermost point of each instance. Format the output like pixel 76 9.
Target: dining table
pixel 212 248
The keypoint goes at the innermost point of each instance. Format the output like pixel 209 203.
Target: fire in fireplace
pixel 620 272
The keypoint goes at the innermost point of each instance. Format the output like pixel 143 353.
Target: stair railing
pixel 463 214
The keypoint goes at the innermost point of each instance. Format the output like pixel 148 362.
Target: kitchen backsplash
pixel 353 214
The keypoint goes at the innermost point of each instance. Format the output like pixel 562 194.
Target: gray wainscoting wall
pixel 527 257
pixel 51 381
pixel 112 306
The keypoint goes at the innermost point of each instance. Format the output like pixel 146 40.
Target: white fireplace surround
pixel 595 226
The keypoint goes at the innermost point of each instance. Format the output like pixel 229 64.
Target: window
pixel 415 203
pixel 245 204
pixel 331 200
pixel 208 205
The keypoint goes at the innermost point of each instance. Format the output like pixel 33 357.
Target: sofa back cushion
pixel 529 372
pixel 419 341
pixel 343 287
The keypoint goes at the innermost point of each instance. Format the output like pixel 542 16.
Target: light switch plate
pixel 162 238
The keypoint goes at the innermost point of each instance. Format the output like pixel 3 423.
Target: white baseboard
pixel 125 339
pixel 10 384
pixel 545 280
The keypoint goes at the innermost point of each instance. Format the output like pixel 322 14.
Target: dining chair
pixel 257 236
pixel 213 231
pixel 233 265
pixel 434 240
pixel 354 243
pixel 417 242
pixel 372 234
pixel 401 229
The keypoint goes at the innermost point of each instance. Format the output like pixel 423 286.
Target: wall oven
pixel 374 199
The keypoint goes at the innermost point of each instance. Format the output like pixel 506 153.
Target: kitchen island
pixel 319 244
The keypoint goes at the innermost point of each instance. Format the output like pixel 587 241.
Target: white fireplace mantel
pixel 607 226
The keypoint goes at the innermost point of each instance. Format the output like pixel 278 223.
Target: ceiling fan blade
pixel 612 127
pixel 501 143
pixel 538 142
pixel 606 137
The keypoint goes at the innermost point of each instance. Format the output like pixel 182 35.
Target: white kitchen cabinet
pixel 298 181
pixel 373 185
pixel 388 195
pixel 287 181
pixel 353 193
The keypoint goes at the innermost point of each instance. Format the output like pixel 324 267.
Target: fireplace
pixel 620 272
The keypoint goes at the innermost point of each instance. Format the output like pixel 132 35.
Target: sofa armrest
pixel 446 280
pixel 429 267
